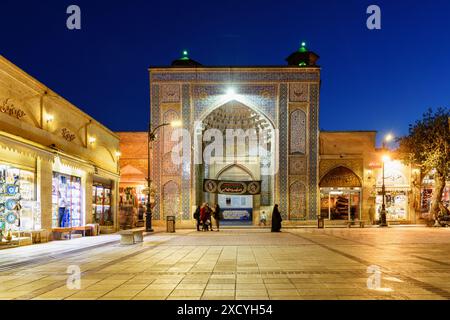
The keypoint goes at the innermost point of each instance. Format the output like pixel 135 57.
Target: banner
pixel 232 187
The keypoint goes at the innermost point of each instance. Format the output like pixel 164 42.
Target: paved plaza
pixel 303 264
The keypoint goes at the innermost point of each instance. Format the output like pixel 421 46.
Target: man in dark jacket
pixel 217 215
pixel 197 217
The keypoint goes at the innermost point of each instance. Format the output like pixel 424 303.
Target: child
pixel 262 218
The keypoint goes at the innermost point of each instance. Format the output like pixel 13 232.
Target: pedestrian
pixel 197 217
pixel 276 219
pixel 263 218
pixel 218 215
pixel 203 216
pixel 209 217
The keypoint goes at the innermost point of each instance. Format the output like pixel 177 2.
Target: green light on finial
pixel 302 64
pixel 185 55
pixel 303 47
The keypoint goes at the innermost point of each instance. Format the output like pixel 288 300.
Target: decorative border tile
pixel 283 149
pixel 156 165
pixel 313 152
pixel 186 167
pixel 234 76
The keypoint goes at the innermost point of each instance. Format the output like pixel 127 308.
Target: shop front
pixel 67 201
pixel 54 172
pixel 340 195
pixel 396 181
pixel 132 206
pixel 103 203
pixel 19 209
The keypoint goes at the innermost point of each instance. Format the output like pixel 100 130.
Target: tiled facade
pixel 273 92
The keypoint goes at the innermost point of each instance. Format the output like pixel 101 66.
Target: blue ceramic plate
pixel 11 189
pixel 10 204
pixel 11 217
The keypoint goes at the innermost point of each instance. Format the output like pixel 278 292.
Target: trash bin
pixel 170 224
pixel 320 222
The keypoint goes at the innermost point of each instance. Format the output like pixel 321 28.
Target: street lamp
pixel 388 138
pixel 383 220
pixel 152 137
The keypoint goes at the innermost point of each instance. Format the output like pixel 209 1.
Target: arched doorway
pixel 243 163
pixel 340 194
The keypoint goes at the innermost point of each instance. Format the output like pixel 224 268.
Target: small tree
pixel 428 146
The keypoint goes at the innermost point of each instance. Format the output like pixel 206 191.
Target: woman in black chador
pixel 276 219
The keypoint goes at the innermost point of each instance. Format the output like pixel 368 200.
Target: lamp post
pixel 383 220
pixel 152 137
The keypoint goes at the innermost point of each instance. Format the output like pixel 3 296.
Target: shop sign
pixel 232 187
pixel 7 107
pixel 375 165
pixel 340 177
pixel 66 134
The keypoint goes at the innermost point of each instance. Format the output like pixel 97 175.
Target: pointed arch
pixel 340 177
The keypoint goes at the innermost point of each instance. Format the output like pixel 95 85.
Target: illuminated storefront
pixel 67 201
pixel 397 191
pixel 19 209
pixel 340 195
pixel 50 167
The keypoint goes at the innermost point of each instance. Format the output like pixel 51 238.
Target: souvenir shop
pixel 18 204
pixel 132 206
pixel 396 180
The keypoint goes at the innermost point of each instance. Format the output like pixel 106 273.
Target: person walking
pixel 276 219
pixel 209 214
pixel 218 215
pixel 204 217
pixel 263 218
pixel 197 217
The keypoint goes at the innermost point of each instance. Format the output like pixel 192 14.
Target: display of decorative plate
pixel 2 208
pixel 11 189
pixel 11 218
pixel 10 204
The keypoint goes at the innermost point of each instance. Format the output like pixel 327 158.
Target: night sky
pixel 371 80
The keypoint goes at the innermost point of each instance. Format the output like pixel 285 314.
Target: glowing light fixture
pixel 185 55
pixel 92 140
pixel 389 137
pixel 386 158
pixel 176 124
pixel 230 94
pixel 49 118
pixel 118 153
pixel 303 47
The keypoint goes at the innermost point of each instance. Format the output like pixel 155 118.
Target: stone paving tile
pixel 298 264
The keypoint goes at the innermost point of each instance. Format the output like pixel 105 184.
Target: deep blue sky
pixel 372 80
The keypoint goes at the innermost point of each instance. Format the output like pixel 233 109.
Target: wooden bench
pixel 83 229
pixel 354 223
pixel 39 236
pixel 132 236
pixel 60 231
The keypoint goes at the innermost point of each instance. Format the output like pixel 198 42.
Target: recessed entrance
pixel 340 195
